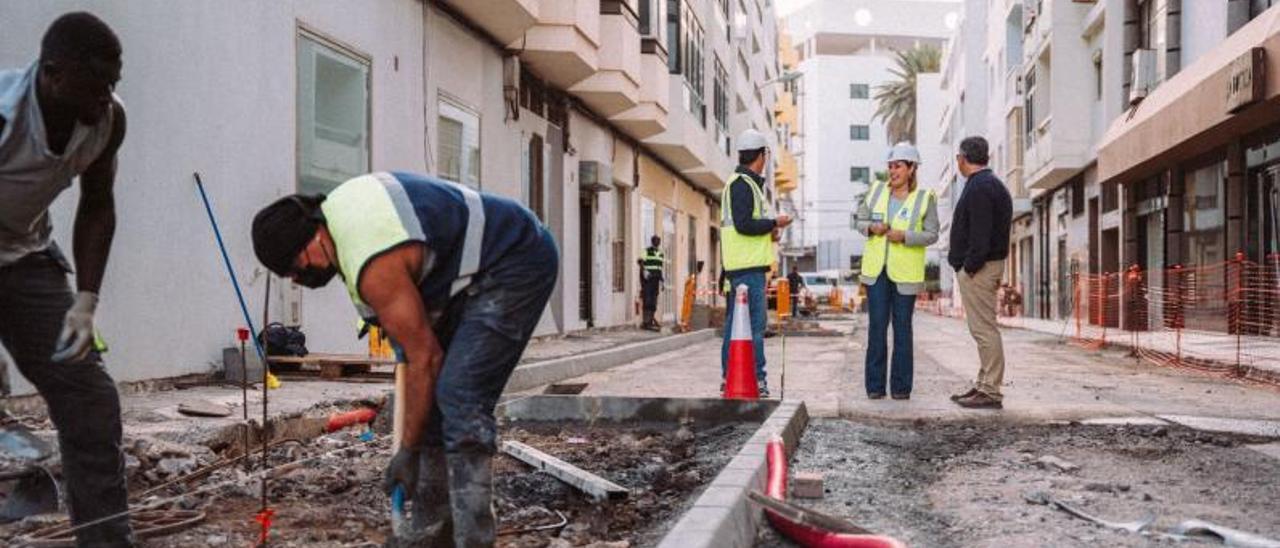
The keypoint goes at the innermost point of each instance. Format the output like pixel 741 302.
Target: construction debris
pixel 204 408
pixel 806 485
pixel 1194 528
pixel 591 484
pixel 1052 462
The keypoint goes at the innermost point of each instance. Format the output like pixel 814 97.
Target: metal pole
pixel 230 271
pixel 244 402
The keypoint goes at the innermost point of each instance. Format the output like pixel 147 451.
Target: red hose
pixel 338 421
pixel 805 535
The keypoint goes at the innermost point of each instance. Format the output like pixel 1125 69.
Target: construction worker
pixel 795 283
pixel 59 120
pixel 651 266
pixel 458 279
pixel 899 220
pixel 747 235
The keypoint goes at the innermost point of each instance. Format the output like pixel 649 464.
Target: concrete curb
pixel 723 517
pixel 535 374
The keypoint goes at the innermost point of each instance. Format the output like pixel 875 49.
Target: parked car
pixel 820 284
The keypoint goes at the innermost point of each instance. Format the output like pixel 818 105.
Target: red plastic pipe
pixel 802 534
pixel 338 421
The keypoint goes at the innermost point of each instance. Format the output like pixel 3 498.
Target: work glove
pixel 402 471
pixel 77 329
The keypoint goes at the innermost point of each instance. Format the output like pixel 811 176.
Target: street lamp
pixel 785 77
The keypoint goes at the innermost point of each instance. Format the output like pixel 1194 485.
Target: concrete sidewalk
pixel 1045 379
pixel 1257 356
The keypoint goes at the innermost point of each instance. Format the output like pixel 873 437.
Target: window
pixel 333 115
pixel 1029 107
pixel 1077 196
pixel 674 37
pixel 860 133
pixel 1203 215
pixel 1256 7
pixel 1097 75
pixel 859 91
pixel 691 43
pixel 532 160
pixel 1110 196
pixel 858 174
pixel 720 100
pixel 621 218
pixel 459 144
pixel 692 245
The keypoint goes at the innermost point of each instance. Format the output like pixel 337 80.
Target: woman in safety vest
pixel 899 221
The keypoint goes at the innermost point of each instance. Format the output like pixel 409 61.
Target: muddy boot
pixel 431 523
pixel 471 495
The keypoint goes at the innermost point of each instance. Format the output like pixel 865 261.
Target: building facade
pixel 610 119
pixel 1117 124
pixel 845 51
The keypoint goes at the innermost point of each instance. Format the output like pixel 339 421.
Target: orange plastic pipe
pixel 338 421
pixel 806 535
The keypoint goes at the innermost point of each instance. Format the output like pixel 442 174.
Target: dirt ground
pixel 337 499
pixel 965 484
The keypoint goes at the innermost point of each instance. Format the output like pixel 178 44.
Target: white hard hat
pixel 904 152
pixel 751 139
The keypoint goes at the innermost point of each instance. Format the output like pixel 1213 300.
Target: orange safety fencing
pixel 1221 318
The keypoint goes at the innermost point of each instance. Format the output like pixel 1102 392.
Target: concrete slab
pixel 1269 449
pixel 1125 421
pixel 629 409
pixel 530 375
pixel 1266 428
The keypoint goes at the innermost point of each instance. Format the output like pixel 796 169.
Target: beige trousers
pixel 978 294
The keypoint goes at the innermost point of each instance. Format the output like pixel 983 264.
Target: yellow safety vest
pixel 906 263
pixel 741 251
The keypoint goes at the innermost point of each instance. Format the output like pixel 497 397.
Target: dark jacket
pixel 741 203
pixel 980 223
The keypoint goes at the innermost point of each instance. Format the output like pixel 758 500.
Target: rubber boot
pixel 471 496
pixel 431 523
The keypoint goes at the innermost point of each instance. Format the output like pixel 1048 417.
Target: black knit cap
pixel 282 229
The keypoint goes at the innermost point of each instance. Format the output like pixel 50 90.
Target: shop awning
pixel 1188 114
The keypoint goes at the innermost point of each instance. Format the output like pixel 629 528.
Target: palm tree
pixel 896 100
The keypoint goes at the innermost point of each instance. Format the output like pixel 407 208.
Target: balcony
pixel 649 116
pixel 716 165
pixel 615 86
pixel 1051 158
pixel 506 20
pixel 785 176
pixel 685 142
pixel 563 47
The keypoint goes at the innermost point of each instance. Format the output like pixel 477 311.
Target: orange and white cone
pixel 740 377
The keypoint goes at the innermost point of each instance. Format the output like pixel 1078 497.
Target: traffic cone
pixel 740 377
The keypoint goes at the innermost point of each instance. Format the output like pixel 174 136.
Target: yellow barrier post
pixel 686 307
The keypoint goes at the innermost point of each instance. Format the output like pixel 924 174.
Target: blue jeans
pixel 759 319
pixel 483 332
pixel 884 304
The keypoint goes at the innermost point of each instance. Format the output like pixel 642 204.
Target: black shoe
pixel 905 396
pixel 764 389
pixel 875 395
pixel 980 401
pixel 965 394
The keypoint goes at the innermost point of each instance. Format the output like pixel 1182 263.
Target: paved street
pixel 1046 379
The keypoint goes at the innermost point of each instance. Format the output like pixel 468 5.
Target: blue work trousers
pixel 884 306
pixel 759 319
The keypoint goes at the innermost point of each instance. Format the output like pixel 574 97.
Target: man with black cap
pixel 59 120
pixel 459 280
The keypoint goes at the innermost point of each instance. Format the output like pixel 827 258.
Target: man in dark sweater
pixel 979 247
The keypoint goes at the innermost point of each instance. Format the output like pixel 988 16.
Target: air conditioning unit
pixel 1143 78
pixel 590 175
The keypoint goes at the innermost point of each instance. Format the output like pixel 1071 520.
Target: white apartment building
pixel 1104 166
pixel 577 108
pixel 846 51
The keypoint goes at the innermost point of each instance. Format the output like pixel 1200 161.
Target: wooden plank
pixel 591 484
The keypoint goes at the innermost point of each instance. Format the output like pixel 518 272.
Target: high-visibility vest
pixel 653 259
pixel 905 263
pixel 741 251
